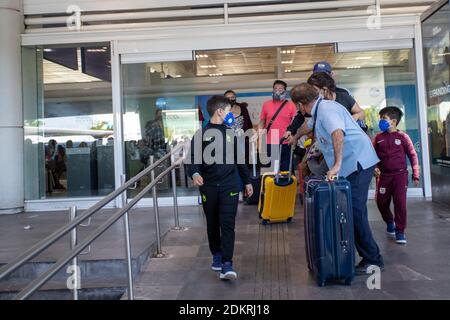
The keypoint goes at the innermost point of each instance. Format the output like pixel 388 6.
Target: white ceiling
pixel 248 61
pixel 56 73
pixel 267 60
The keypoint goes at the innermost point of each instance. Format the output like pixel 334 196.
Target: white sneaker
pixel 229 275
pixel 227 272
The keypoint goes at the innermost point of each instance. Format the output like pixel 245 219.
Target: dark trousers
pixel 284 158
pixel 220 206
pixel 364 241
pixel 393 188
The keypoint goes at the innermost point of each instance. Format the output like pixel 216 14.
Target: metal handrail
pixel 41 280
pixel 50 240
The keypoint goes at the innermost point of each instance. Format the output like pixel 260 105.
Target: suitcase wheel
pixel 264 222
pixel 289 220
pixel 348 281
pixel 321 283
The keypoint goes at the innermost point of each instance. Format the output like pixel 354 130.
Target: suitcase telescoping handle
pixel 290 160
pixel 320 180
pixel 254 157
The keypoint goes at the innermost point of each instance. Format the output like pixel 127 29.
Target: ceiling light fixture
pixel 208 66
pixel 354 67
pixel 96 50
pixel 286 62
pixel 363 58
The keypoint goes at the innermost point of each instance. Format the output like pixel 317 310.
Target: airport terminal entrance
pixel 164 97
pixel 99 111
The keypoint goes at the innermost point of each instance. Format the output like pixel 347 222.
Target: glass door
pixel 165 95
pixel 157 113
pixel 436 42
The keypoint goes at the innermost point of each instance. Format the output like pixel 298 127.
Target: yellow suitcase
pixel 277 197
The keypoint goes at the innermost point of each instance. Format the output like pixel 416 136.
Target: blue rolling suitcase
pixel 329 230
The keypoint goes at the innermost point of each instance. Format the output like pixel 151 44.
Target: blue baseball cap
pixel 322 66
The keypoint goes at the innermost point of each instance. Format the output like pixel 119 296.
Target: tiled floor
pixel 15 237
pixel 270 261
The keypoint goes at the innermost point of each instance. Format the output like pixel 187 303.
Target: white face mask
pixel 321 94
pixel 279 94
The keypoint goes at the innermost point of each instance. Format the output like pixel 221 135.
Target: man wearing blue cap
pixel 343 96
pixel 356 111
pixel 324 66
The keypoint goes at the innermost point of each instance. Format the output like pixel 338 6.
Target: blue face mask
pixel 384 125
pixel 229 119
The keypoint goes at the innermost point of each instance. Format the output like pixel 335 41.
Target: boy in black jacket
pixel 213 155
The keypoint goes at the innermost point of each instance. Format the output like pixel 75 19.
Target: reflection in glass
pixel 180 89
pixel 156 116
pixel 68 122
pixel 436 40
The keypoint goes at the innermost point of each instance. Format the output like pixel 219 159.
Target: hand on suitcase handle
pixel 333 173
pixel 288 141
pixel 332 178
pixel 248 190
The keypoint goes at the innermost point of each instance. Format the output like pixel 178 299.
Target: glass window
pixel 436 41
pixel 378 79
pixel 68 121
pixel 157 115
pixel 165 101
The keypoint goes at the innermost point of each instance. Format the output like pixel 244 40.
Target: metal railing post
pixel 75 221
pixel 174 189
pixel 159 253
pixel 73 243
pixel 126 225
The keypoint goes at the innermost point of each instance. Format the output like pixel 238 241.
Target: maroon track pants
pixel 389 188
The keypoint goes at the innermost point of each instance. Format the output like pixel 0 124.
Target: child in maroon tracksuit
pixel 392 147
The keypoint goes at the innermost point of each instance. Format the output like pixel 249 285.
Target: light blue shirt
pixel 357 146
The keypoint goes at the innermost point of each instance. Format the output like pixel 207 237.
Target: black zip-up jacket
pixel 342 96
pixel 296 123
pixel 222 170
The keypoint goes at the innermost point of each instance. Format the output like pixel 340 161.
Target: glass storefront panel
pixel 68 122
pixel 378 79
pixel 169 98
pixel 68 107
pixel 436 42
pixel 156 115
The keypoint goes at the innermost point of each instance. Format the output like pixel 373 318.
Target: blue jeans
pixel 364 241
